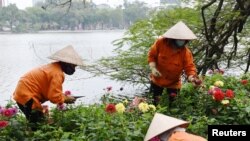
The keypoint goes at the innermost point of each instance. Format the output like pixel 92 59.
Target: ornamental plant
pixel 221 100
pixel 6 113
pixel 201 106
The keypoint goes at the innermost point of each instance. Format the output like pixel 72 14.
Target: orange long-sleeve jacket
pixel 41 84
pixel 170 62
pixel 184 136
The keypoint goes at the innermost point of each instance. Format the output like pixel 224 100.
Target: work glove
pixel 153 69
pixel 195 80
pixel 69 99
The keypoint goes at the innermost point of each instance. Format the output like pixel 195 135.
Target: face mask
pixel 180 43
pixel 67 68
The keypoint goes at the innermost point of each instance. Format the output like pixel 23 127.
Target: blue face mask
pixel 180 43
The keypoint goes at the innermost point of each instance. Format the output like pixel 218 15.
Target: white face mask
pixel 180 43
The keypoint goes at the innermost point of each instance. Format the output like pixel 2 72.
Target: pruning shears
pixel 76 97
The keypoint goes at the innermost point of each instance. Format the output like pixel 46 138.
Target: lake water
pixel 22 52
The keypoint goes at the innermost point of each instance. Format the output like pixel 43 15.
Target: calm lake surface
pixel 22 52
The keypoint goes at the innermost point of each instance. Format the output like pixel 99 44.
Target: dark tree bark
pixel 220 31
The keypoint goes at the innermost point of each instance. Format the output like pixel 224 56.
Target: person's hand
pixel 195 81
pixel 69 99
pixel 154 71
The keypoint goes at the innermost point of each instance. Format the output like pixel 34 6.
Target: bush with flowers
pixel 220 100
pixel 114 119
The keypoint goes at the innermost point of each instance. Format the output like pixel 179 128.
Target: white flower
pixel 225 102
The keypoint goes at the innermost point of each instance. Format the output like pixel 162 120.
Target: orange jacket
pixel 171 62
pixel 184 136
pixel 41 84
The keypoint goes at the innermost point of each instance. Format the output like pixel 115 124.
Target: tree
pixel 11 15
pixel 222 40
pixel 130 61
pixel 223 35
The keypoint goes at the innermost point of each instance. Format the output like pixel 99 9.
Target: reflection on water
pixel 22 52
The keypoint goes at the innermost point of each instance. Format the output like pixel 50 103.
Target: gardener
pixel 165 128
pixel 45 84
pixel 168 58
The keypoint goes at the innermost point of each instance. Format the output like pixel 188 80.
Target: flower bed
pixel 221 100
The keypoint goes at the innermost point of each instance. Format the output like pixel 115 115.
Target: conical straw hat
pixel 162 123
pixel 67 55
pixel 179 31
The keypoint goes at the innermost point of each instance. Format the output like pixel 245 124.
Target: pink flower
pixel 61 107
pixel 67 93
pixel 109 88
pixel 221 71
pixel 136 101
pixel 46 109
pixel 210 72
pixel 13 110
pixel 173 95
pixel 229 93
pixel 3 124
pixel 1 110
pixel 156 138
pixel 210 92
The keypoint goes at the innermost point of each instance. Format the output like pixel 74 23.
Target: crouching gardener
pixel 45 84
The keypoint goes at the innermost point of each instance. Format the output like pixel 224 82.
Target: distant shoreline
pixel 62 31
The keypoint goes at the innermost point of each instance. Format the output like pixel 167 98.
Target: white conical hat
pixel 162 123
pixel 180 31
pixel 67 55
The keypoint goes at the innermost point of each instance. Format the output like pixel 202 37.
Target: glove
pixel 154 71
pixel 194 80
pixel 69 99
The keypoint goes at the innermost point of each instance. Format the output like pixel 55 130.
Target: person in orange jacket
pixel 166 128
pixel 45 84
pixel 168 58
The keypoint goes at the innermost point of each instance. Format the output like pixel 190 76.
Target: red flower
pixel 229 93
pixel 7 112
pixel 218 95
pixel 221 71
pixel 109 88
pixel 244 82
pixel 13 110
pixel 173 95
pixel 110 108
pixel 3 124
pixel 156 138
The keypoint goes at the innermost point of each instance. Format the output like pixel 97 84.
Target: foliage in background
pixel 222 51
pixel 80 16
pixel 130 60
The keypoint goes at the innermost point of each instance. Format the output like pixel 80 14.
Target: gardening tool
pixel 76 97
